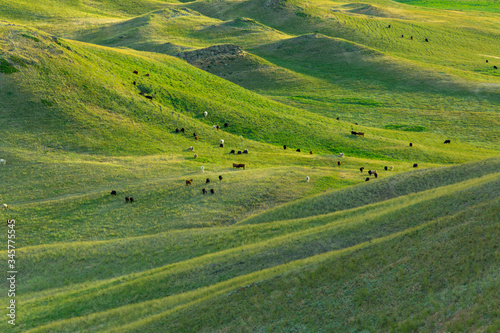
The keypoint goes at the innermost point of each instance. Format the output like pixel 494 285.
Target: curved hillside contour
pixel 364 194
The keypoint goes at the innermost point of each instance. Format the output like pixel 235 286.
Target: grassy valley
pixel 94 94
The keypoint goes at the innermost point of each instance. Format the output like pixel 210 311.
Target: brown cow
pixel 189 182
pixel 339 163
pixel 237 166
pixel 358 133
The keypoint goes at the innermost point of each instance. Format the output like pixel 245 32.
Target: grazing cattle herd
pixel 245 151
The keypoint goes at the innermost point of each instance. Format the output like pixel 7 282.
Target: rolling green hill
pixel 93 95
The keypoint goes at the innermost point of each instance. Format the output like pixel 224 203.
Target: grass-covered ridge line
pixel 296 241
pixel 362 194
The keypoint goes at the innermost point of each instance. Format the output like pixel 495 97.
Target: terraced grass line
pixel 187 244
pixel 374 192
pixel 396 285
pixel 228 263
pixel 193 297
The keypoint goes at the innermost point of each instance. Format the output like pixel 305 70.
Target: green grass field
pixel 413 249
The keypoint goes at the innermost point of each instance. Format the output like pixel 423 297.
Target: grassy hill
pixel 296 241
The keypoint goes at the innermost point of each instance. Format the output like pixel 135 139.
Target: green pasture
pixel 302 239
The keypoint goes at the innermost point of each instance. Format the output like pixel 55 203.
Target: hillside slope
pixel 198 166
pixel 458 223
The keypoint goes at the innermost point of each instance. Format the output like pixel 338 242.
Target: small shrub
pixel 6 67
pixel 31 37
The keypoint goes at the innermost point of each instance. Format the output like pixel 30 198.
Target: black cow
pixel 447 141
pixel 113 192
pixel 220 177
pixel 207 181
pixel 415 165
pixel 231 152
pixel 212 191
pixel 203 191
